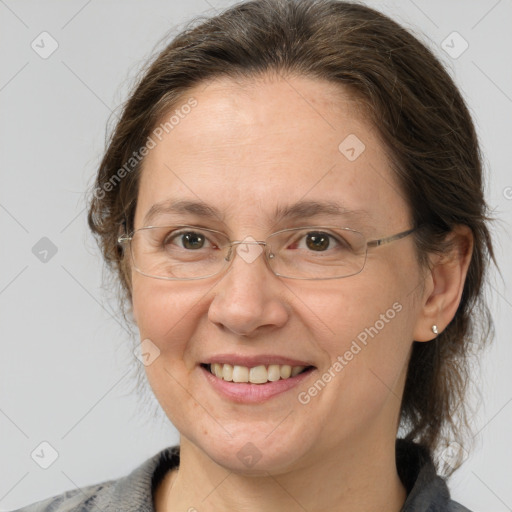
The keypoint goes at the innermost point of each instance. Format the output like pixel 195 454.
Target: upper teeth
pixel 256 374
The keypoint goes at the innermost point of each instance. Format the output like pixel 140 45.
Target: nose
pixel 249 296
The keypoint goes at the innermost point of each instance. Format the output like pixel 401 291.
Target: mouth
pixel 260 374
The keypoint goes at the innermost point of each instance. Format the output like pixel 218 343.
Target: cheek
pixel 368 326
pixel 368 356
pixel 165 313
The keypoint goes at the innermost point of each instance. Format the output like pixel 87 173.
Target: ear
pixel 444 284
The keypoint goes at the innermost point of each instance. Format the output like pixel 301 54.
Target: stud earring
pixel 434 329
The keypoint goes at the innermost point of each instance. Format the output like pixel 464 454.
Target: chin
pixel 251 455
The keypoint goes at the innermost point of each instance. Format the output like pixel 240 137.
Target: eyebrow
pixel 299 210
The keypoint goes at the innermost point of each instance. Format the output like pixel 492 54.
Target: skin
pixel 245 148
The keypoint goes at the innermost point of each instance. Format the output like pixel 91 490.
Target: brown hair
pixel 421 117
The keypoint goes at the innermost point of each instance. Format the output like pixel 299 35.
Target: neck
pixel 361 478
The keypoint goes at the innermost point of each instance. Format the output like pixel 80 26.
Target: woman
pixel 292 201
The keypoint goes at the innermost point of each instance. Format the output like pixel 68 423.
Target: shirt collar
pixel 426 491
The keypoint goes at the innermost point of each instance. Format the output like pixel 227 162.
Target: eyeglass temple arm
pixel 392 238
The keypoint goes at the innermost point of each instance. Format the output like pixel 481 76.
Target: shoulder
pixel 426 490
pixel 457 507
pixel 132 492
pixel 77 499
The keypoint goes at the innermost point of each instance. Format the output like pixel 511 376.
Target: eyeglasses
pixel 190 252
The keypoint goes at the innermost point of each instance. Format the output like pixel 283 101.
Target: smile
pixel 260 374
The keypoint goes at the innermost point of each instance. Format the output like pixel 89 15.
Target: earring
pixel 434 329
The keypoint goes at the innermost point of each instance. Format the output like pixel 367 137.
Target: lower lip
pixel 246 392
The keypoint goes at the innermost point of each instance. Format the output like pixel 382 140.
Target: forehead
pixel 255 146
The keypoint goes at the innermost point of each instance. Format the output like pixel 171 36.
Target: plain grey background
pixel 66 366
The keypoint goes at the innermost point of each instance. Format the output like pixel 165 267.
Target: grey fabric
pixel 426 491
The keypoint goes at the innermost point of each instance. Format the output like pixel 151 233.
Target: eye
pixel 320 241
pixel 189 240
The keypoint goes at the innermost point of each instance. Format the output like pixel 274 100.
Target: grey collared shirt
pixel 426 491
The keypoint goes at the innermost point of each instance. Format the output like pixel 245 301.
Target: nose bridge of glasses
pixel 248 249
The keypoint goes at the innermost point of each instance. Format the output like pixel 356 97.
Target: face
pixel 245 150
